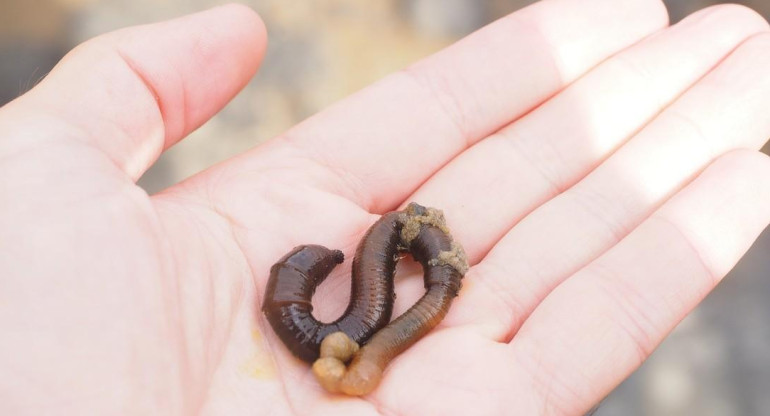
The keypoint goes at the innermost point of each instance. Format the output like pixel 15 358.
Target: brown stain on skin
pixel 258 364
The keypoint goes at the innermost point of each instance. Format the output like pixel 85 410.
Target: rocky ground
pixel 715 362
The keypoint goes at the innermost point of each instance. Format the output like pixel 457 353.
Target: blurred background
pixel 717 362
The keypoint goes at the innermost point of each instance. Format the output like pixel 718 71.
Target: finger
pixel 598 326
pixel 377 146
pixel 724 111
pixel 540 155
pixel 136 91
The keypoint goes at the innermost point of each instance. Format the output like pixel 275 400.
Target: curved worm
pixel 294 278
pixel 419 230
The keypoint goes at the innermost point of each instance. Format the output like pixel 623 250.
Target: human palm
pixel 588 158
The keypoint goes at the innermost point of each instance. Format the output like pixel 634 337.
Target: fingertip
pixel 739 14
pixel 746 167
pixel 725 208
pixel 729 21
pixel 757 46
pixel 655 11
pixel 229 31
pixel 136 91
pixel 196 63
pixel 246 26
pixel 660 11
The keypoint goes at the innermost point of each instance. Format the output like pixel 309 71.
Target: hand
pixel 585 156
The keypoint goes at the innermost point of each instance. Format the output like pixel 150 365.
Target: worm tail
pixel 365 370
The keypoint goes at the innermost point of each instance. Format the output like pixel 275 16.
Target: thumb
pixel 136 91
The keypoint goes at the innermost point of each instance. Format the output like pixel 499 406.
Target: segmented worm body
pixel 418 230
pixel 294 279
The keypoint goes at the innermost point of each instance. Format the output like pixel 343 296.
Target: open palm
pixel 599 168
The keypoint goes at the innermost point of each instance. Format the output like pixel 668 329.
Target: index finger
pixel 377 146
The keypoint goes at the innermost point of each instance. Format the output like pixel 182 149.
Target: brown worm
pixel 419 230
pixel 294 278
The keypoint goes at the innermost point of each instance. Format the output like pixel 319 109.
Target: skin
pixel 114 301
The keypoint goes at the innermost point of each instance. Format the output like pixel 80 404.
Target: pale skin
pixel 600 168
